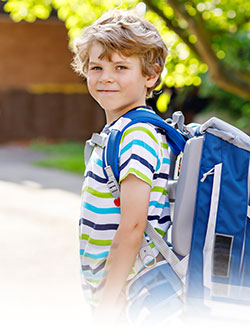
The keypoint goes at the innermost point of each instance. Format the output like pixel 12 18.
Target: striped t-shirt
pixel 143 152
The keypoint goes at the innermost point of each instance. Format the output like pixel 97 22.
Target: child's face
pixel 117 85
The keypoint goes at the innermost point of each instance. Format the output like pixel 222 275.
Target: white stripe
pixel 248 211
pixel 94 167
pixel 209 241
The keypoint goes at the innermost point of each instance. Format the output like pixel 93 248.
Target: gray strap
pixel 88 150
pixel 96 139
pixel 146 253
pixel 181 268
pixel 178 119
pixel 99 139
pixel 166 251
pixel 112 183
pixel 161 245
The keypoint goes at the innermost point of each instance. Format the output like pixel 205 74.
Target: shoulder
pixel 142 131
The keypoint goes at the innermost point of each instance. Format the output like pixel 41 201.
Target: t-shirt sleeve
pixel 139 152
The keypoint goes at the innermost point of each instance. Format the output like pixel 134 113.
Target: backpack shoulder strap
pixel 175 138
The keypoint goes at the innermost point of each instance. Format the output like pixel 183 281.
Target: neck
pixel 113 116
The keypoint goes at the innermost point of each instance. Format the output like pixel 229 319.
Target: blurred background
pixel 46 115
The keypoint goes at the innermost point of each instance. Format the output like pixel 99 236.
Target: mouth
pixel 107 91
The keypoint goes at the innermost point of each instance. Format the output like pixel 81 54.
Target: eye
pixel 121 67
pixel 95 68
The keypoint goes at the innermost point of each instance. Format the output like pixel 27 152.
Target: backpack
pixel 217 226
pixel 211 222
pixel 210 252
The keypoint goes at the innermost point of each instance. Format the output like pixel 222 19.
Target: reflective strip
pixel 233 292
pixel 248 212
pixel 209 241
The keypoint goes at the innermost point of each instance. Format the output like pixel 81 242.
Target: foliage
pixel 208 39
pixel 223 19
pixel 64 155
pixel 28 10
pixel 222 103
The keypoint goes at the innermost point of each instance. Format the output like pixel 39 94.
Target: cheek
pixel 90 83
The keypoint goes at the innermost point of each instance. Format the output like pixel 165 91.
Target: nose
pixel 106 76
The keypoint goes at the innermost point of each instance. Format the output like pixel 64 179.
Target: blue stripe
pixel 96 177
pixel 141 160
pixel 158 205
pixel 160 131
pixel 94 256
pixel 162 220
pixel 139 143
pixel 158 165
pixel 105 211
pixel 166 161
pixel 99 162
pixel 99 227
pixel 161 175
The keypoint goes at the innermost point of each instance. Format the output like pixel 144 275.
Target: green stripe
pixel 164 145
pixel 161 232
pixel 93 281
pixel 132 271
pixel 130 130
pixel 94 241
pixel 103 195
pixel 139 174
pixel 152 245
pixel 90 260
pixel 159 189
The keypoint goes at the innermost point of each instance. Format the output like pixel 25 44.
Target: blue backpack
pixel 210 252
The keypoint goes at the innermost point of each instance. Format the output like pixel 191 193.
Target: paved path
pixel 39 263
pixel 39 273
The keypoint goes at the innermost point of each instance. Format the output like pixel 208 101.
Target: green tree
pixel 212 32
pixel 208 40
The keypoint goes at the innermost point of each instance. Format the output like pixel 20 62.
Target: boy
pixel 122 57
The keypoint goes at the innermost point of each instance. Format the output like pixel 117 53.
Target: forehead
pixel 96 55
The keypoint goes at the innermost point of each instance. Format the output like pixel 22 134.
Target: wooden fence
pixel 57 116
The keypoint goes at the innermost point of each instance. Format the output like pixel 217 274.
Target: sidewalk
pixel 39 276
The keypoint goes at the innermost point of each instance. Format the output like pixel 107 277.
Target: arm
pixel 135 195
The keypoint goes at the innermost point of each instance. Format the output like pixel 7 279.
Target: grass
pixel 67 156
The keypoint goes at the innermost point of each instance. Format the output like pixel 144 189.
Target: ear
pixel 151 80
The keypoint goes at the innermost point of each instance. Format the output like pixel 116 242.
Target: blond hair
pixel 126 33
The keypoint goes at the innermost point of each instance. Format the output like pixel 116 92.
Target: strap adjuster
pixel 112 183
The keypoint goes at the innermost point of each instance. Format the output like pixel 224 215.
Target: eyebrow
pixel 121 62
pixel 94 63
pixel 116 62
